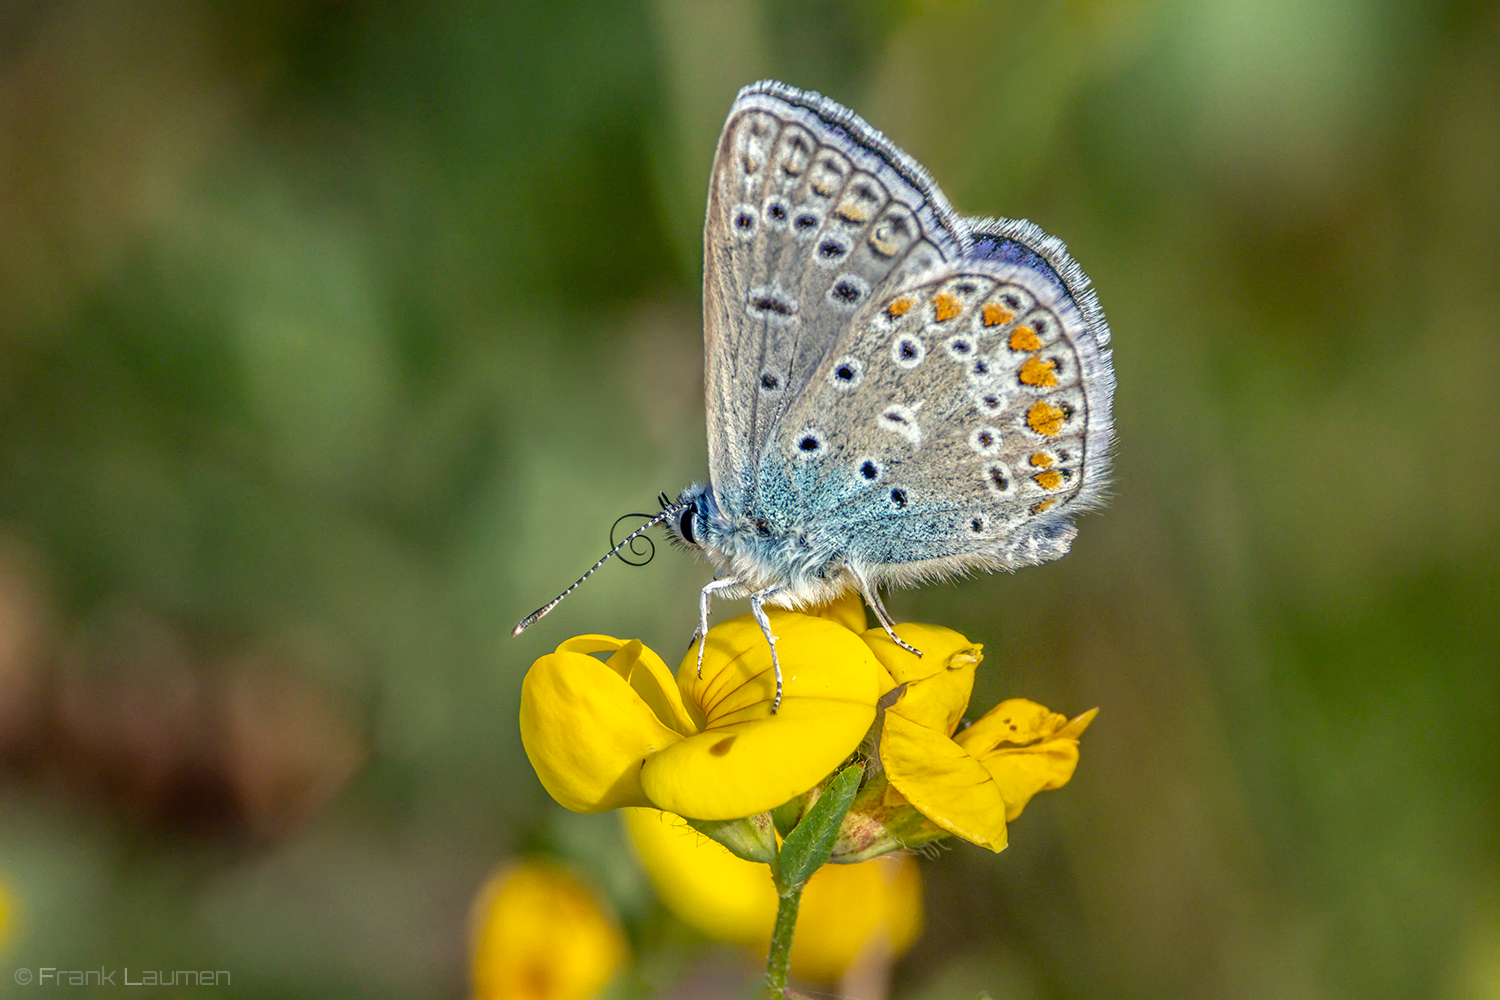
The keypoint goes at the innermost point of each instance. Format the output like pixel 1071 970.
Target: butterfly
pixel 896 394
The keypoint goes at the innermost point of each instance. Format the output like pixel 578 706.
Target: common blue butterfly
pixel 896 394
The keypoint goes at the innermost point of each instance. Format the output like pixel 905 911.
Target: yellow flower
pixel 846 909
pixel 7 914
pixel 622 732
pixel 540 934
pixel 972 783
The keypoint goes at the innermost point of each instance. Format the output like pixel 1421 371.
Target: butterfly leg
pixel 872 598
pixel 705 602
pixel 757 608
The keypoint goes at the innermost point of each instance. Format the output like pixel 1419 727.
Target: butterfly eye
pixel 686 527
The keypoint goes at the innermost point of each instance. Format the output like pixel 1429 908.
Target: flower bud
pixel 881 821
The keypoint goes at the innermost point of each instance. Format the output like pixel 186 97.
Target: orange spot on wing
pixel 1038 372
pixel 945 307
pixel 1044 505
pixel 852 212
pixel 1024 338
pixel 1049 480
pixel 900 307
pixel 1042 460
pixel 1044 418
pixel 996 316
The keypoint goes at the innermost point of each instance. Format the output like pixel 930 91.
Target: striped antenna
pixel 542 612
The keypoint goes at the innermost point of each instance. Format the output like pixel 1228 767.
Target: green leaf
pixel 807 847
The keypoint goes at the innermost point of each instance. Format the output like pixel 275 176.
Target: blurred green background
pixel 334 336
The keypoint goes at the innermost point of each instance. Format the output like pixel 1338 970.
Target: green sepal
pixel 787 815
pixel 871 828
pixel 751 839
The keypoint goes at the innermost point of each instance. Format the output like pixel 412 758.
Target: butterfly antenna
pixel 545 609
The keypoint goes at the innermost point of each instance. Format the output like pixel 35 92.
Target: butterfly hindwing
pixel 958 423
pixel 811 215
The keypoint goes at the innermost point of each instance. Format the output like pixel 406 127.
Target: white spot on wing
pixel 847 372
pixel 809 444
pixel 985 441
pixel 907 351
pixel 902 420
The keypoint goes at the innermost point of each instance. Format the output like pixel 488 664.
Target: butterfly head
pixel 697 518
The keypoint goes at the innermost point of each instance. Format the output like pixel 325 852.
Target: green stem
pixel 805 850
pixel 780 956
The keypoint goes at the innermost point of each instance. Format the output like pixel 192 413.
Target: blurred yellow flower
pixel 622 732
pixel 846 910
pixel 538 933
pixel 969 783
pixel 7 911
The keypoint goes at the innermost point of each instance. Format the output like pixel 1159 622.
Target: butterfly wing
pixel 961 419
pixel 811 214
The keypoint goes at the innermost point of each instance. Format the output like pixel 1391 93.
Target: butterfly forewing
pixel 811 216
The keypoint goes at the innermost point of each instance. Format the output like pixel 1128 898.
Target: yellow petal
pixel 847 610
pixel 849 910
pixel 1017 721
pixel 710 889
pixel 587 732
pixel 938 682
pixel 6 914
pixel 539 933
pixel 818 660
pixel 747 760
pixel 943 782
pixel 646 672
pixel 1026 748
pixel 846 909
